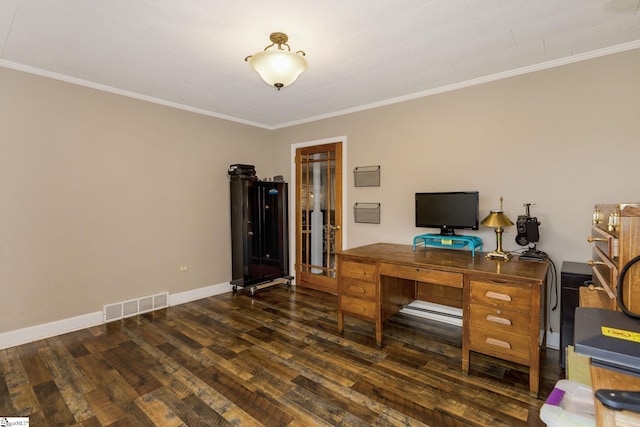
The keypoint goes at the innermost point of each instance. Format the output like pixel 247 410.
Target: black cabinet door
pixel 274 234
pixel 259 229
pixel 255 228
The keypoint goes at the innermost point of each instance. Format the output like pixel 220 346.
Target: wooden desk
pixel 501 300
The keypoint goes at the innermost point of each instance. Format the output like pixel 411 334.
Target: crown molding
pixel 473 82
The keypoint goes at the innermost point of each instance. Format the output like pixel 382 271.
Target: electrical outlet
pixel 184 268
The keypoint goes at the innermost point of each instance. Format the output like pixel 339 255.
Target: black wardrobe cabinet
pixel 259 232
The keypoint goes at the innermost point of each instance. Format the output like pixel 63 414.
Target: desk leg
pixel 465 361
pixel 534 378
pixel 340 321
pixel 466 331
pixel 379 332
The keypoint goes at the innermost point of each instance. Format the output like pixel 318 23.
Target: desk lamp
pixel 497 219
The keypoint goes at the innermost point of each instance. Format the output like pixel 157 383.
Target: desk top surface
pixel 450 260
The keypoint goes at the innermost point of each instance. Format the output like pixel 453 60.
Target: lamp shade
pixel 278 68
pixel 496 219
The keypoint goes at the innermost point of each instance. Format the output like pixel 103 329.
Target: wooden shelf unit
pixel 613 248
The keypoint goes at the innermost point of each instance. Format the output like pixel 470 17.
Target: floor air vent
pixel 121 310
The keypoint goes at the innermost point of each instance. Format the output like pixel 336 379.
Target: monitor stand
pixel 448 242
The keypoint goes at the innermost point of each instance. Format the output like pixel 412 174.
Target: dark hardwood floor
pixel 274 359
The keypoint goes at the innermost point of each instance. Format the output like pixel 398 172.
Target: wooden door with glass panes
pixel 318 215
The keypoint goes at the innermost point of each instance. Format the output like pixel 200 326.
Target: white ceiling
pixel 361 53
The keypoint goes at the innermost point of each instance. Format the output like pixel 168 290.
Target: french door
pixel 318 215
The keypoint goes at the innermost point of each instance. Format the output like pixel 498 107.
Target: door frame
pixel 292 196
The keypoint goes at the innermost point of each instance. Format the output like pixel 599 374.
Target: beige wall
pixel 103 197
pixel 564 139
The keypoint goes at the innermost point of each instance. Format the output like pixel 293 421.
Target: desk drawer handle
pixel 497 295
pixel 498 343
pixel 496 319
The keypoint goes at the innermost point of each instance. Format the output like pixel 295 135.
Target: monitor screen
pixel 448 211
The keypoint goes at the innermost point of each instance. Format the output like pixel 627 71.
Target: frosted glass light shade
pixel 278 68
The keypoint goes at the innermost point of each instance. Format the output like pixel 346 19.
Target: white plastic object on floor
pixel 570 404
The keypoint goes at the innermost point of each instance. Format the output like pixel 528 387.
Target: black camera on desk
pixel 528 234
pixel 527 228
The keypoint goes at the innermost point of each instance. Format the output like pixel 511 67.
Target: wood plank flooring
pixel 274 359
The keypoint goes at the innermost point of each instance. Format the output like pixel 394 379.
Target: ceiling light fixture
pixel 278 68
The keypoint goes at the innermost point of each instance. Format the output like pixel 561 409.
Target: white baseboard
pixel 48 330
pixel 59 327
pixel 553 340
pixel 196 294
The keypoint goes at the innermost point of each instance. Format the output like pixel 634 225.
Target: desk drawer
pixel 358 270
pixel 492 342
pixel 501 295
pixel 422 274
pixel 358 306
pixel 357 288
pixel 500 321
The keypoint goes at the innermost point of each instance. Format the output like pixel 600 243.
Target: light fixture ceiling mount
pixel 278 68
pixel 278 39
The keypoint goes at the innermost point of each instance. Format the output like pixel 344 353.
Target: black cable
pixel 553 276
pixel 555 284
pixel 620 286
pixel 553 273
